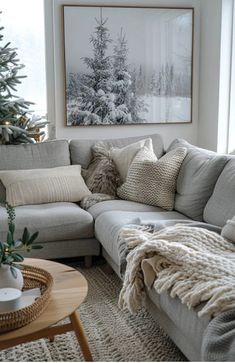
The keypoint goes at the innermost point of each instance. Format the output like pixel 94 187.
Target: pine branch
pixel 16 123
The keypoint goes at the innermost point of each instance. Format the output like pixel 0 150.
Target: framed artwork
pixel 127 65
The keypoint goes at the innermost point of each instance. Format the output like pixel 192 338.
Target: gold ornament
pixel 22 120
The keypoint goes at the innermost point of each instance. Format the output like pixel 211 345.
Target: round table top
pixel 69 290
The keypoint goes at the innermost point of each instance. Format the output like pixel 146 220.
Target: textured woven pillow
pixel 124 156
pixel 37 186
pixel 152 181
pixel 101 176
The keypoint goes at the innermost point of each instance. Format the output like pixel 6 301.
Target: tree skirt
pixel 113 335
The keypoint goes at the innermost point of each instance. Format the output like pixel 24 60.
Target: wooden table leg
pixel 79 331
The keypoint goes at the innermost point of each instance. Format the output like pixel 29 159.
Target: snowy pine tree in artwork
pixel 115 77
pixel 104 95
pixel 122 80
pixel 138 105
pixel 125 85
pixel 72 90
pixel 96 101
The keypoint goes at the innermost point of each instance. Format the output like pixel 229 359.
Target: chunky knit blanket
pixel 195 264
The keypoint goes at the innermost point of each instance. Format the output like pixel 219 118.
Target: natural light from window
pixel 23 23
pixel 231 134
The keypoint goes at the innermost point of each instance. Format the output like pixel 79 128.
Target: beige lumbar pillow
pixel 228 231
pixel 37 186
pixel 152 181
pixel 124 156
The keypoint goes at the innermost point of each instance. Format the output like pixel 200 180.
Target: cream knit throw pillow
pixel 124 156
pixel 38 186
pixel 152 181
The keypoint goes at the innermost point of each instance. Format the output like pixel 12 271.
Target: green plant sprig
pixel 10 250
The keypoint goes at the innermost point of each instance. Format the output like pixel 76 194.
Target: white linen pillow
pixel 228 231
pixel 124 156
pixel 38 186
pixel 152 181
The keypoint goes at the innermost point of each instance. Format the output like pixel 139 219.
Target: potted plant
pixel 10 253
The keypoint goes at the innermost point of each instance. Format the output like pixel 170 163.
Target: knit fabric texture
pixel 218 344
pixel 49 185
pixel 153 181
pixel 194 264
pixel 124 156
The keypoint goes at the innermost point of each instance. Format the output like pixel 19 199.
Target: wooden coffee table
pixel 69 290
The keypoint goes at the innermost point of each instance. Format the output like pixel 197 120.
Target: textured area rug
pixel 113 335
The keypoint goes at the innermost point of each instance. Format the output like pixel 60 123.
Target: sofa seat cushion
pixel 196 180
pixel 108 225
pixel 54 221
pixel 187 321
pixel 121 205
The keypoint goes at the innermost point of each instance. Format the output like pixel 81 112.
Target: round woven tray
pixel 33 277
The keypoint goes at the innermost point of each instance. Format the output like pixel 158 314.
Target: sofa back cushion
pixel 197 177
pixel 48 154
pixel 221 205
pixel 81 152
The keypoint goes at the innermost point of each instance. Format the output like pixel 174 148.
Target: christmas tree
pixel 17 125
pixel 96 100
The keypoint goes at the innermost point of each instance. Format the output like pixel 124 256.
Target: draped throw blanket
pixel 195 264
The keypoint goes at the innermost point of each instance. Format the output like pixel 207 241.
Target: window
pixel 23 23
pixel 231 134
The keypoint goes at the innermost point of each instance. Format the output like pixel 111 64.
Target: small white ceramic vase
pixel 8 280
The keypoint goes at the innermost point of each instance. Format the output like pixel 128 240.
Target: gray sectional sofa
pixel 205 193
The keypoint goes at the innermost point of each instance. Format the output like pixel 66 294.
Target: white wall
pixel 231 138
pixel 209 73
pixel 56 78
pixel 215 67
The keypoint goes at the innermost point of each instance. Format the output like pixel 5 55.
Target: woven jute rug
pixel 113 335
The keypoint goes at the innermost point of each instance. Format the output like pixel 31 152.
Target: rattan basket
pixel 33 277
